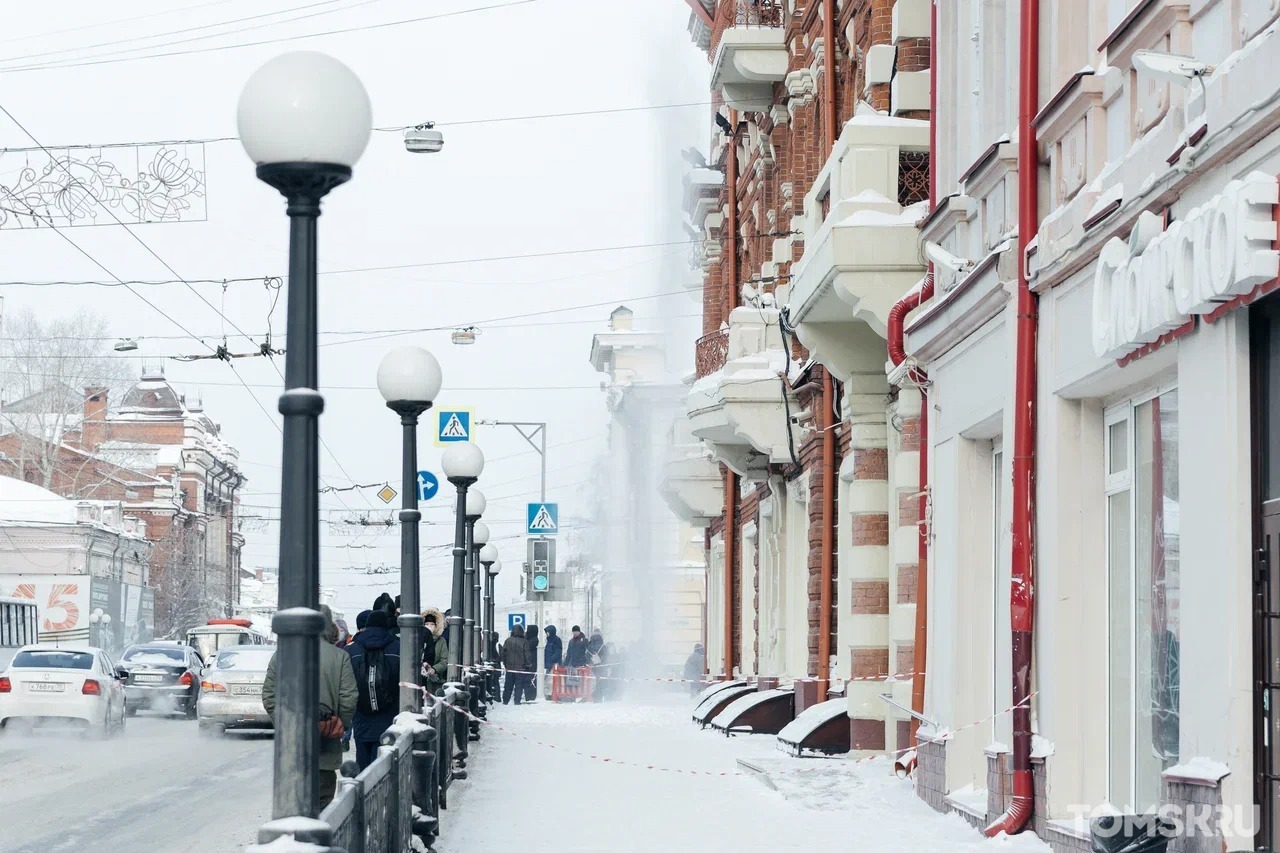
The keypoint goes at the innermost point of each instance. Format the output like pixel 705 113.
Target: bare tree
pixel 46 367
pixel 185 587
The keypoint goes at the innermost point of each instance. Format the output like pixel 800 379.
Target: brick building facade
pixel 165 460
pixel 808 206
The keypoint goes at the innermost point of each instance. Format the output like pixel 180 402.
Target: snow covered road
pixel 160 788
pixel 522 795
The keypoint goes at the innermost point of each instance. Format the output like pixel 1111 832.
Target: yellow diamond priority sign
pixel 387 494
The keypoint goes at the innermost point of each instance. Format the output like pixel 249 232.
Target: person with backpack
pixel 375 658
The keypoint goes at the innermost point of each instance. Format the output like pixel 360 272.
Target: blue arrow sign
pixel 428 486
pixel 543 519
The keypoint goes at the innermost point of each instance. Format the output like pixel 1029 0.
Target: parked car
pixel 162 677
pixel 48 686
pixel 231 691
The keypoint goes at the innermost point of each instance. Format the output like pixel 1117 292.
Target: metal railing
pixel 758 13
pixel 711 352
pixel 394 799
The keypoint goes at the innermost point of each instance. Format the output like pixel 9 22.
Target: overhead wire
pixel 278 40
pixel 215 24
pixel 112 23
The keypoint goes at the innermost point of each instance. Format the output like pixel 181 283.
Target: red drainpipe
pixel 827 421
pixel 1022 584
pixel 731 479
pixel 897 354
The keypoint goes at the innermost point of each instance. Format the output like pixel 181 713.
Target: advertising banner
pixel 78 610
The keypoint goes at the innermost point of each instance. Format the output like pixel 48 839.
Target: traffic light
pixel 542 560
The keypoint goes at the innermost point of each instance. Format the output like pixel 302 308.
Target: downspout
pixel 730 478
pixel 1022 582
pixel 827 421
pixel 897 354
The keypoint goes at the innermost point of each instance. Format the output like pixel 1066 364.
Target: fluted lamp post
pixel 462 464
pixel 304 119
pixel 488 556
pixel 479 538
pixel 409 380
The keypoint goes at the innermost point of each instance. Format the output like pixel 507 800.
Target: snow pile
pixel 1200 769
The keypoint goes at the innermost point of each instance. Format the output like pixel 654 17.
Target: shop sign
pixel 1157 280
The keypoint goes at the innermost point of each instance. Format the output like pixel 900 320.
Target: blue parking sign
pixel 514 619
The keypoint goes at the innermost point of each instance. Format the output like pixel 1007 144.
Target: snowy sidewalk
pixel 525 796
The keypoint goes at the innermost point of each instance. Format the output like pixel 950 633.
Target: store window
pixel 1142 597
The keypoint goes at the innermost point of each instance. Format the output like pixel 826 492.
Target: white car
pixel 231 692
pixel 49 686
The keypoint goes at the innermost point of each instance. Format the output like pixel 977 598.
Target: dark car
pixel 163 677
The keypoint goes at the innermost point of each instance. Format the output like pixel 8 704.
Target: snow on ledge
pixel 1202 770
pixel 970 800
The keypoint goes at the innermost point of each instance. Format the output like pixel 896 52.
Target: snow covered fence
pixel 380 810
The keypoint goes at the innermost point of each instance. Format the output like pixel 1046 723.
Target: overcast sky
pixel 498 189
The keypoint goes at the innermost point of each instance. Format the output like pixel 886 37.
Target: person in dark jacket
pixel 552 654
pixel 435 649
pixel 576 655
pixel 374 714
pixel 531 639
pixel 515 660
pixel 694 666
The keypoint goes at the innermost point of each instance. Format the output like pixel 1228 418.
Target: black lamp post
pixel 409 379
pixel 479 538
pixel 304 119
pixel 488 557
pixel 462 464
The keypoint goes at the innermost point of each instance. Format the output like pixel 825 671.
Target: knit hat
pixel 362 619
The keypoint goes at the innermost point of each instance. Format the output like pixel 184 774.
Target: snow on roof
pixel 743 704
pixel 714 688
pixel 1200 768
pixel 704 710
pixel 811 719
pixel 706 177
pixel 27 502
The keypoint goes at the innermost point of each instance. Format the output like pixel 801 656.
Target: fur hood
pixel 440 623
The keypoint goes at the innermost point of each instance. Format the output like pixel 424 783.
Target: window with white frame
pixel 1142 596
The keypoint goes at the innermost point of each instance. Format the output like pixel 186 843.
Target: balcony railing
pixel 758 13
pixel 913 177
pixel 710 352
pixel 745 13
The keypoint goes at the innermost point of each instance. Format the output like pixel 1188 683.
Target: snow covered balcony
pixel 751 54
pixel 738 409
pixel 691 484
pixel 861 242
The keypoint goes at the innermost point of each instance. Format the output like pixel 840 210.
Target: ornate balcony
pixel 738 410
pixel 692 485
pixel 710 352
pixel 861 240
pixel 750 54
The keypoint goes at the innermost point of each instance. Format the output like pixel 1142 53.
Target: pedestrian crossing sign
pixel 543 519
pixel 453 425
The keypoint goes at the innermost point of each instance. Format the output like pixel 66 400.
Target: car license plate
pixel 148 679
pixel 245 690
pixel 43 687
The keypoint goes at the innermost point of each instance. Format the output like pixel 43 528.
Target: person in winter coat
pixel 576 655
pixel 553 651
pixel 531 679
pixel 375 660
pixel 594 645
pixel 338 699
pixel 435 650
pixel 515 660
pixel 694 666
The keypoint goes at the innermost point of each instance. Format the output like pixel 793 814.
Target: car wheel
pixel 191 708
pixel 131 710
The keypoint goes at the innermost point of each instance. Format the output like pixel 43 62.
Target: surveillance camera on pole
pixel 939 256
pixel 1170 67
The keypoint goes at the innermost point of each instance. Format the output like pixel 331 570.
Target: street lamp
pixel 304 119
pixel 462 464
pixel 488 556
pixel 479 538
pixel 409 379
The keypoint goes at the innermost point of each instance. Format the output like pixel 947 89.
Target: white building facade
pixel 1156 429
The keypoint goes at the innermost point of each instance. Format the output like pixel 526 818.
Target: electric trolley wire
pixel 107 60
